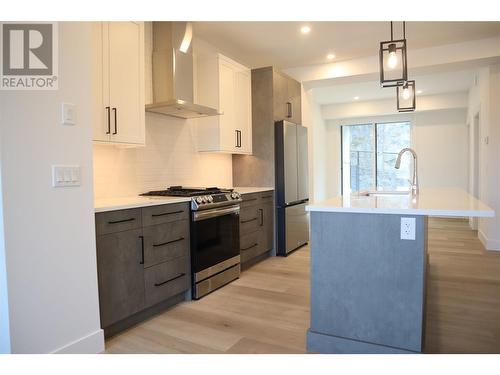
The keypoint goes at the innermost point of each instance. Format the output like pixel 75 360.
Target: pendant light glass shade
pixel 392 56
pixel 406 97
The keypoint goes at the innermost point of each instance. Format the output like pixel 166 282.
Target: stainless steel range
pixel 215 235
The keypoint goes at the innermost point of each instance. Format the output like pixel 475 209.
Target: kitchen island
pixel 367 283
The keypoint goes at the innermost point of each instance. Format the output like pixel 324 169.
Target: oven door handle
pixel 208 214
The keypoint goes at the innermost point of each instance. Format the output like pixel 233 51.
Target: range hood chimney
pixel 173 72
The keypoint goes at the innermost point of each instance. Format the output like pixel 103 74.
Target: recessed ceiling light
pixel 356 98
pixel 305 29
pixel 330 56
pixel 419 91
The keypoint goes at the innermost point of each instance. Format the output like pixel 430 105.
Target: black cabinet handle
pixel 261 211
pixel 169 280
pixel 121 221
pixel 267 196
pixel 116 127
pixel 248 248
pixel 239 138
pixel 249 200
pixel 142 249
pixel 236 133
pixel 288 109
pixel 168 242
pixel 109 120
pixel 167 213
pixel 249 220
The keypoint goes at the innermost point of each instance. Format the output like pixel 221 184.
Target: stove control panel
pixel 203 202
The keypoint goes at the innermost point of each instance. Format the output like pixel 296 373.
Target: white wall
pixel 483 99
pixel 49 232
pixel 4 301
pixel 169 157
pixel 439 138
pixel 311 117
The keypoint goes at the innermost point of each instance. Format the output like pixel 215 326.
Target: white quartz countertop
pixel 122 203
pixel 429 202
pixel 248 189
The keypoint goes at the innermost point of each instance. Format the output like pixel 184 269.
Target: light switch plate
pixel 68 114
pixel 65 175
pixel 408 228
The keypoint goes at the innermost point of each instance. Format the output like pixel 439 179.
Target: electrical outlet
pixel 408 228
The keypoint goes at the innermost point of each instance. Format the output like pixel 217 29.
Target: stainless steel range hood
pixel 173 72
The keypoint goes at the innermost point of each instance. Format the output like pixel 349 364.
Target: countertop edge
pixel 126 206
pixel 408 211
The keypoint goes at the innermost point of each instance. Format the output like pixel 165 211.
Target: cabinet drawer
pixel 251 245
pixel 117 221
pixel 165 213
pixel 249 199
pixel 166 280
pixel 165 242
pixel 250 220
pixel 267 197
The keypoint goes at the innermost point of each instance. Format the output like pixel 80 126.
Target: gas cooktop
pixel 180 191
pixel 201 198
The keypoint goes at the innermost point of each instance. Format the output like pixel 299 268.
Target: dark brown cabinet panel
pixel 121 275
pixel 165 242
pixel 142 261
pixel 256 225
pixel 294 109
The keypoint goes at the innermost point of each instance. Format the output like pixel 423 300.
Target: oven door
pixel 215 238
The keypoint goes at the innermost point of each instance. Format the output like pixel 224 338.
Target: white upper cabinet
pixel 226 85
pixel 118 71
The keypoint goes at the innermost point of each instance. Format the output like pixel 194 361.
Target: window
pixel 369 153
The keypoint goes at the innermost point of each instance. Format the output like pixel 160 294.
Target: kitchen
pixel 199 173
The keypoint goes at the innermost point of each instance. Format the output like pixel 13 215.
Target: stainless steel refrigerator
pixel 292 195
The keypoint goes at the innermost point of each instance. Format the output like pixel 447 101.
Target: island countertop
pixel 429 202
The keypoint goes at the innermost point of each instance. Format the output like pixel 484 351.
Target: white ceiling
pixel 281 44
pixel 458 81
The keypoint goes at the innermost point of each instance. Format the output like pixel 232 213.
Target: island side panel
pixel 367 285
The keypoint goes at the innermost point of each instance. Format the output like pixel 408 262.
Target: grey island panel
pixel 367 285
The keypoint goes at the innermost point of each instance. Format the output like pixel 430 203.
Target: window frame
pixel 374 145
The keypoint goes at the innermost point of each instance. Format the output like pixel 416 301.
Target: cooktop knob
pixel 210 198
pixel 234 195
pixel 204 199
pixel 199 200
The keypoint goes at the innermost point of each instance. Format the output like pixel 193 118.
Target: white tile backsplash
pixel 169 158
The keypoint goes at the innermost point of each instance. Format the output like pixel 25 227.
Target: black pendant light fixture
pixel 406 97
pixel 393 68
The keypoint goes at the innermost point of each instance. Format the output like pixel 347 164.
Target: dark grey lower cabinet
pixel 121 275
pixel 143 262
pixel 256 226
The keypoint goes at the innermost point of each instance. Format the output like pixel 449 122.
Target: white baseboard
pixel 90 344
pixel 489 244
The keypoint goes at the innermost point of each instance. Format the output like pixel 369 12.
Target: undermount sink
pixel 376 193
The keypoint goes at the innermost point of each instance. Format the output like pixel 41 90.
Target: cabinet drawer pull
pixel 249 220
pixel 116 126
pixel 142 249
pixel 261 211
pixel 289 109
pixel 108 109
pixel 248 248
pixel 121 221
pixel 267 196
pixel 167 213
pixel 168 242
pixel 249 200
pixel 169 280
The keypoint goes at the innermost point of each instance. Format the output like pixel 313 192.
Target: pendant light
pixel 392 55
pixel 406 97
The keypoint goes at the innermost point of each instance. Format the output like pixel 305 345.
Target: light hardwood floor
pixel 267 309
